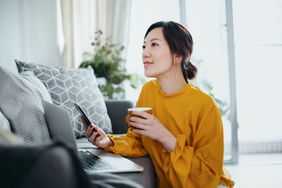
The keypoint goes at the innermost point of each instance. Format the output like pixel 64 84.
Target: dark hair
pixel 180 43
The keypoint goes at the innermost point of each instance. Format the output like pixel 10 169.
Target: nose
pixel 146 53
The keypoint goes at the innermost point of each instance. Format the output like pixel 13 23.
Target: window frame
pixel 232 75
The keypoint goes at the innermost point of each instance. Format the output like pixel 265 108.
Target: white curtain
pixel 82 18
pixel 30 32
pixel 112 17
pixel 77 28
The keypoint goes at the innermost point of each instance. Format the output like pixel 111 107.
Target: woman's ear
pixel 177 58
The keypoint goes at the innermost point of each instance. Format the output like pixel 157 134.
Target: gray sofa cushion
pixel 21 105
pixel 117 110
pixel 40 88
pixel 68 86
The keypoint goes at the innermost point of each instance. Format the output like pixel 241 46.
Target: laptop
pixel 94 160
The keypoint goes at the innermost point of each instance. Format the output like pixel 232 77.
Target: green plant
pixel 108 63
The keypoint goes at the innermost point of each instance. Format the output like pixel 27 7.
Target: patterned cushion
pixel 22 106
pixel 40 88
pixel 68 86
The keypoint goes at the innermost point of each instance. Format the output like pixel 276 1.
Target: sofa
pixel 116 111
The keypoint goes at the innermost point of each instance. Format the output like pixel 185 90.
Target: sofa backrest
pixel 117 110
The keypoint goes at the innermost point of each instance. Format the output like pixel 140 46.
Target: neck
pixel 172 82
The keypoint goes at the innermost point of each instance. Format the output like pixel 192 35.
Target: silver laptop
pixel 93 160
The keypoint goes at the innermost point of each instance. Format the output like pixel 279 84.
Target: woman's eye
pixel 154 44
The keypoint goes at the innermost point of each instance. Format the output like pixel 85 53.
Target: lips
pixel 147 63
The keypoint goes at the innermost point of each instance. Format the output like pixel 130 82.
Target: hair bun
pixel 192 70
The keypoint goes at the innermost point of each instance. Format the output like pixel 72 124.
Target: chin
pixel 150 74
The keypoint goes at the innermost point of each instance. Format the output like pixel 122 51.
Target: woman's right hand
pixel 97 136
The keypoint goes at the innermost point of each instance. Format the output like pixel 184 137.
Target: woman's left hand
pixel 151 127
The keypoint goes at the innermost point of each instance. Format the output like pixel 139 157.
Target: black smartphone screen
pixel 86 119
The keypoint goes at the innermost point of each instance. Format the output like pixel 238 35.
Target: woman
pixel 184 136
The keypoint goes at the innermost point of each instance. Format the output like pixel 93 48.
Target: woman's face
pixel 157 58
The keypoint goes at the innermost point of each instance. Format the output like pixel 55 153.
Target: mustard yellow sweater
pixel 194 119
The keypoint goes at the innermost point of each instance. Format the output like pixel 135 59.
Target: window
pixel 207 25
pixel 257 59
pixel 258 45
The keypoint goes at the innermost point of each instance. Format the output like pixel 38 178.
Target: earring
pixel 185 64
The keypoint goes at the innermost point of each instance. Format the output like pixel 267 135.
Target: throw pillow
pixel 22 106
pixel 38 85
pixel 69 86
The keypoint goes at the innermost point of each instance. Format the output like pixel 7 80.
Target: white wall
pixel 28 32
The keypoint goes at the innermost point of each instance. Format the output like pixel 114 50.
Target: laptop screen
pixel 59 125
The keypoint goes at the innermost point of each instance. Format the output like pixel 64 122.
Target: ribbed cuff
pixel 111 148
pixel 179 147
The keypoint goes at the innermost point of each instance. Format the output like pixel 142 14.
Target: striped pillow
pixel 22 106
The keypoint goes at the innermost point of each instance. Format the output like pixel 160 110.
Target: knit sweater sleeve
pixel 129 145
pixel 197 164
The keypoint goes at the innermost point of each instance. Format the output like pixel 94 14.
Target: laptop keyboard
pixel 92 162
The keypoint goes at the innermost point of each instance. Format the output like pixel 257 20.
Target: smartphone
pixel 86 119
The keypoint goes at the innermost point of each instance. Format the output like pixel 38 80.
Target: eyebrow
pixel 153 39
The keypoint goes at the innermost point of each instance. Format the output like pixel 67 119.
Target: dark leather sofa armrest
pixel 117 110
pixel 52 165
